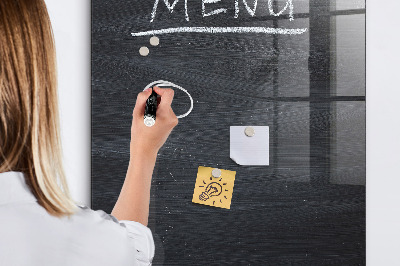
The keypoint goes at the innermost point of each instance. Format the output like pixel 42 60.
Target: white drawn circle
pixel 163 83
pixel 154 41
pixel 144 51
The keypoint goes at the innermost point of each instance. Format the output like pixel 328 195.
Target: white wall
pixel 383 133
pixel 71 22
pixel 71 25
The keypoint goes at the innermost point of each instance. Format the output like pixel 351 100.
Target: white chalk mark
pixel 236 9
pixel 289 4
pixel 186 12
pixel 170 8
pixel 251 12
pixel 163 83
pixel 214 12
pixel 265 30
pixel 153 13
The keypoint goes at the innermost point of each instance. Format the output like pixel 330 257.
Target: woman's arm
pixel 133 201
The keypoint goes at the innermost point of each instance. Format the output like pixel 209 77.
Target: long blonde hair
pixel 29 118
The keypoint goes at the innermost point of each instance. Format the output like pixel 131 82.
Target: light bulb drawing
pixel 213 189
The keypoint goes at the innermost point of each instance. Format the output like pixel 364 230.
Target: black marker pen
pixel 150 110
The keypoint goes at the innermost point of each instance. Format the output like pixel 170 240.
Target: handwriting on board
pixel 207 11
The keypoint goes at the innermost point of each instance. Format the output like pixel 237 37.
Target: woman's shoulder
pixel 94 222
pixel 97 226
pixel 90 215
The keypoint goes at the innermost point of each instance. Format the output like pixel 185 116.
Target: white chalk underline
pixel 265 30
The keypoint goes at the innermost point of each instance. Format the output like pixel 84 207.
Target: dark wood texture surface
pixel 308 206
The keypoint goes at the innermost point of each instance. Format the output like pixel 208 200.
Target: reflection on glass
pixel 346 4
pixel 348 143
pixel 293 152
pixel 293 51
pixel 349 49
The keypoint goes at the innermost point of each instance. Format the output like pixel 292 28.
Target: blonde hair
pixel 29 118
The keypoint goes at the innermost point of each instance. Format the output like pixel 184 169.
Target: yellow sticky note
pixel 216 192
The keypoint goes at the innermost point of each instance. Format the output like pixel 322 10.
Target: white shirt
pixel 31 236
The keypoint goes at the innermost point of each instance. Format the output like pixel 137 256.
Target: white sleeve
pixel 143 239
pixel 140 236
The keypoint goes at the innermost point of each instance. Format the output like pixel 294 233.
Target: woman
pixel 40 223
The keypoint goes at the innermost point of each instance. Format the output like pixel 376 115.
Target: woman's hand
pixel 148 140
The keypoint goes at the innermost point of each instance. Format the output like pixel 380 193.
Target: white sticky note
pixel 249 150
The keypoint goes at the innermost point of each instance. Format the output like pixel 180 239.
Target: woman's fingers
pixel 165 110
pixel 167 95
pixel 172 117
pixel 141 102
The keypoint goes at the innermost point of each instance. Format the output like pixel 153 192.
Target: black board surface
pixel 308 206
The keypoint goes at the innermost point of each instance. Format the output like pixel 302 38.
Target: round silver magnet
pixel 144 51
pixel 249 131
pixel 154 41
pixel 216 173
